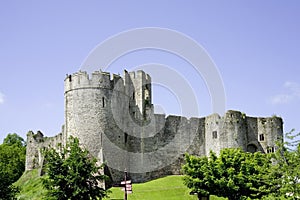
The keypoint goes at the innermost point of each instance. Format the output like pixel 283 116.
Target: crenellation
pixel 148 78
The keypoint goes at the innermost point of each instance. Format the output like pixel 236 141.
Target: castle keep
pixel 113 117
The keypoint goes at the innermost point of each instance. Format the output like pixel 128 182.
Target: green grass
pixel 31 186
pixel 167 188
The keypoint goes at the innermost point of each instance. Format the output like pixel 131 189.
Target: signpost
pixel 126 186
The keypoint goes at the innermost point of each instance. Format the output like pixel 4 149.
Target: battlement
pixel 105 80
pixel 81 80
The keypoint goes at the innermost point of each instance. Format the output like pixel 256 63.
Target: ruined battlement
pixel 36 143
pixel 140 75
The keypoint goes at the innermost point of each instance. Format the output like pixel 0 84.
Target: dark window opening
pixel 214 134
pixel 70 78
pixel 270 149
pixel 261 137
pixel 103 102
pixel 133 96
pixel 125 137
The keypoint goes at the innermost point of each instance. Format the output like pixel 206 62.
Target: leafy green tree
pixel 14 139
pixel 234 174
pixel 285 171
pixel 12 164
pixel 7 190
pixel 73 174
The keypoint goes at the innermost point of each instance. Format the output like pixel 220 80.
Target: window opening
pixel 214 134
pixel 125 137
pixel 261 137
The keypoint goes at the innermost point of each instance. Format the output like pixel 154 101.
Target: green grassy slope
pixel 31 186
pixel 167 188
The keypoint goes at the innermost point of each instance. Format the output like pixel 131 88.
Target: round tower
pixel 87 103
pixel 234 131
pixel 106 113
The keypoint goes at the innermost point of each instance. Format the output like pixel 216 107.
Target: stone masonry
pixel 113 117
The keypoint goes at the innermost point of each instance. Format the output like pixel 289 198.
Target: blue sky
pixel 254 44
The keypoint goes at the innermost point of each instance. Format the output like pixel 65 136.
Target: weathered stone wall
pixel 212 131
pixel 234 131
pixel 36 143
pixel 113 118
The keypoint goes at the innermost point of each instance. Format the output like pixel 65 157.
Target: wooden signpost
pixel 126 186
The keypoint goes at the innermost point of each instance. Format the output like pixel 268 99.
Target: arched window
pixel 251 148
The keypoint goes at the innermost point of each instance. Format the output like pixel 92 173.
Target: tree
pixel 234 174
pixel 72 173
pixel 12 164
pixel 14 139
pixel 285 171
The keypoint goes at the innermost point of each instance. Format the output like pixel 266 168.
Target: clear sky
pixel 254 44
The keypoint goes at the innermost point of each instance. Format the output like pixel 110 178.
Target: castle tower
pixel 269 131
pixel 102 111
pixel 141 96
pixel 87 103
pixel 234 131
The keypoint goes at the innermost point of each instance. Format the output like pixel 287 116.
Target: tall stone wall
pixel 113 118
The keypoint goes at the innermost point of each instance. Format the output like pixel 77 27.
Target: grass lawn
pixel 167 188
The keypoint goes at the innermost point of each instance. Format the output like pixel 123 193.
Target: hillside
pixel 167 188
pixel 31 186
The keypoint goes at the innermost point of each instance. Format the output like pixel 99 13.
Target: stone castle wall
pixel 36 143
pixel 113 118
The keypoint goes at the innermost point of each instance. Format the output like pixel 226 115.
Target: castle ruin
pixel 114 118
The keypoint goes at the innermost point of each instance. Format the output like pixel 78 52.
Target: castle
pixel 113 117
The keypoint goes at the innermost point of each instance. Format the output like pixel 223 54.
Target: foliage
pixel 285 173
pixel 7 192
pixel 72 173
pixel 234 174
pixel 12 164
pixel 14 139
